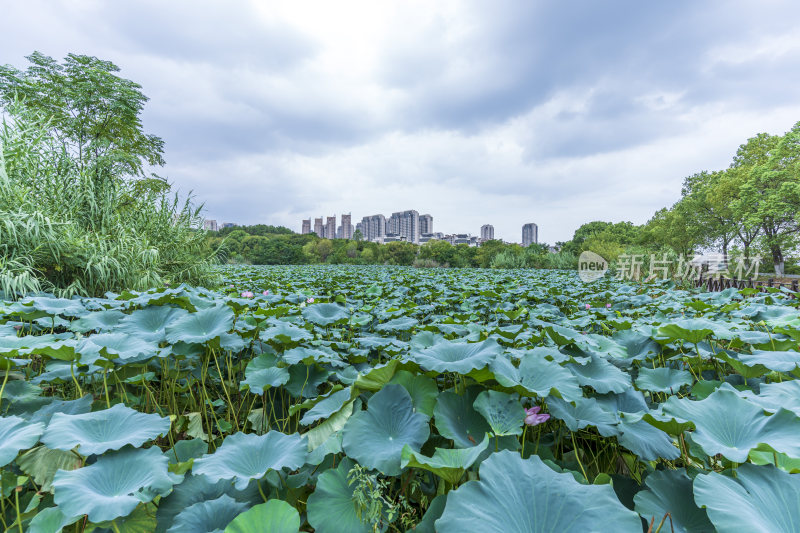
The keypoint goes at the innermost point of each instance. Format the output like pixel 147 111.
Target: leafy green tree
pixel 358 236
pixel 94 114
pixel 770 195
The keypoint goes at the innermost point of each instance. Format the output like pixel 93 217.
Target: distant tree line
pixel 271 245
pixel 750 208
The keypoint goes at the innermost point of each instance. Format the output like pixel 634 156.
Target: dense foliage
pixel 750 208
pixel 271 245
pixel 358 399
pixel 79 214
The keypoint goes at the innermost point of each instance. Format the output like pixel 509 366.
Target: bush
pixel 70 230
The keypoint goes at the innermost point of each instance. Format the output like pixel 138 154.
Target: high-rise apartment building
pixel 318 228
pixel 330 228
pixel 347 227
pixel 487 232
pixel 425 224
pixel 306 227
pixel 405 224
pixel 530 234
pixel 373 227
pixel 210 225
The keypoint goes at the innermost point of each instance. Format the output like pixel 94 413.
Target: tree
pixel 92 113
pixel 358 236
pixel 769 197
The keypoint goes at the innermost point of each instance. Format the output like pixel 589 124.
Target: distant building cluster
pixel 212 225
pixel 404 226
pixel 328 229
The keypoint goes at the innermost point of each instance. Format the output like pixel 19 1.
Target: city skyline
pixel 408 226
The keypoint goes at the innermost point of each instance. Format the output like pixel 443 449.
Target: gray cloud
pixel 501 112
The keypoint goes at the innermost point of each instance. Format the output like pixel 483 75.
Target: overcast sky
pixel 501 112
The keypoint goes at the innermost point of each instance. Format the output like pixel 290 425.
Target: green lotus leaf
pixel 396 325
pixel 151 323
pixel 333 444
pixel 670 491
pixel 456 419
pixel 56 306
pixel 243 457
pixel 98 321
pixel 304 380
pixel 785 361
pixel 377 376
pixel 423 390
pixel 457 357
pixel 50 520
pixel 327 406
pixel 502 411
pixel 320 434
pixel 185 450
pixel 601 375
pixel 638 345
pixel 690 330
pixel 17 434
pixel 663 379
pixel 585 412
pixel 275 516
pixel 375 437
pixel 42 463
pixel 769 457
pixel 263 373
pixel 537 376
pixel 732 426
pixel 202 326
pixel 526 496
pixel 761 499
pixel 118 346
pixel 114 485
pixel 647 441
pixel 109 429
pixel 331 508
pixel 66 407
pixel 211 516
pixel 773 396
pixel 285 333
pixel 448 464
pixel 197 489
pixel 326 314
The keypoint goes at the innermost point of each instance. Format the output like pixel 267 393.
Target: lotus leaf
pixel 456 418
pixel 211 516
pixel 17 434
pixel 449 464
pixel 114 485
pixel 375 437
pixel 663 379
pixel 732 426
pixel 761 499
pixel 458 357
pixel 502 411
pixel 243 457
pixel 526 496
pixel 670 491
pixel 325 314
pixel 275 516
pixel 109 429
pixel 330 507
pixel 201 326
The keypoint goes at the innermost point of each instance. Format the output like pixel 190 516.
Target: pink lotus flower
pixel 534 418
pixel 608 306
pixel 588 306
pixel 310 301
pixel 265 293
pixel 247 294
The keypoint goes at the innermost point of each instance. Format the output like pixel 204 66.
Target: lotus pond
pixel 360 399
